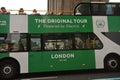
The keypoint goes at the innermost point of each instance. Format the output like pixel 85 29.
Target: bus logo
pixel 100 23
pixel 3 23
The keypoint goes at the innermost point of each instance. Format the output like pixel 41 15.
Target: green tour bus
pixel 89 39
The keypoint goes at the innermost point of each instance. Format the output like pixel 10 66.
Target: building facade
pixel 65 7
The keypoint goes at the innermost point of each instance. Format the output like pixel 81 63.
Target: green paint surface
pixel 54 24
pixel 114 23
pixel 4 23
pixel 46 61
pixel 4 55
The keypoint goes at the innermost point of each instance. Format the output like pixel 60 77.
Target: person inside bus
pixel 60 13
pixel 78 12
pixel 49 13
pixel 21 47
pixel 4 11
pixel 83 9
pixel 102 9
pixel 10 46
pixel 117 10
pixel 49 46
pixel 109 10
pixel 78 43
pixel 35 12
pixel 21 11
pixel 2 46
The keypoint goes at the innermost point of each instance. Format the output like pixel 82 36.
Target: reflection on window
pixel 35 42
pixel 3 45
pixel 98 9
pixel 117 9
pixel 83 9
pixel 113 36
pixel 109 10
pixel 13 42
pixel 58 42
pixel 16 42
pixel 87 41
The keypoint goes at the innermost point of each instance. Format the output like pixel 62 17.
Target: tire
pixel 9 69
pixel 112 63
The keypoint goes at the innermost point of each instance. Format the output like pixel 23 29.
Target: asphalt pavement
pixel 72 75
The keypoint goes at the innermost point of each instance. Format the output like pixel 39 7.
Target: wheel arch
pixel 110 56
pixel 11 59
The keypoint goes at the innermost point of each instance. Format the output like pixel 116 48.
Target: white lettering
pixel 40 20
pixel 59 21
pixel 3 23
pixel 80 20
pixel 60 56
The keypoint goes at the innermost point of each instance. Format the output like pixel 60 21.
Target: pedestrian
pixel 21 11
pixel 4 11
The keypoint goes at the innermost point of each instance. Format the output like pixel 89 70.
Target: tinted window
pixel 97 9
pixel 116 9
pixel 114 36
pixel 87 41
pixel 3 44
pixel 83 9
pixel 13 42
pixel 35 42
pixel 57 42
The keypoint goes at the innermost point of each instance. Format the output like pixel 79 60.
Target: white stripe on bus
pixel 22 58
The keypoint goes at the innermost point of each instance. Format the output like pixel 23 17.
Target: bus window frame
pixel 30 46
pixel 72 35
pixel 113 36
pixel 90 45
pixel 112 4
pixel 68 36
pixel 65 36
pixel 8 43
pixel 26 36
pixel 5 36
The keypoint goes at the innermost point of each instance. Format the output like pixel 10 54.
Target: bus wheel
pixel 9 69
pixel 112 63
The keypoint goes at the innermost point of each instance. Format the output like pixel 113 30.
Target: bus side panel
pixel 114 23
pixel 35 62
pixel 22 58
pixel 4 23
pixel 4 55
pixel 53 24
pixel 100 24
pixel 18 23
pixel 61 60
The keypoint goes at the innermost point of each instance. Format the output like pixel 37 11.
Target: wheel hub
pixel 113 63
pixel 7 70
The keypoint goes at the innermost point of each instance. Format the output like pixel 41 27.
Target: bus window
pixel 83 9
pixel 109 10
pixel 35 42
pixel 87 41
pixel 114 36
pixel 3 45
pixel 16 42
pixel 117 9
pixel 98 9
pixel 57 42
